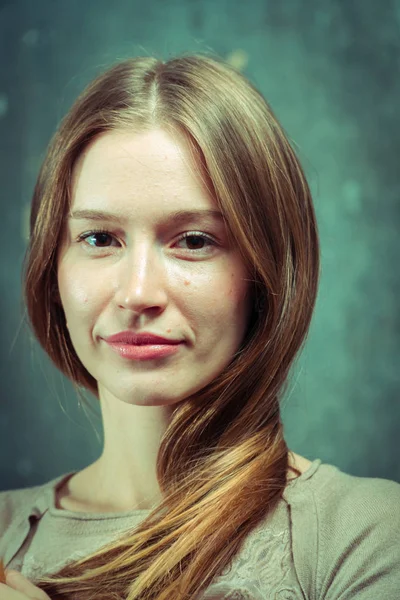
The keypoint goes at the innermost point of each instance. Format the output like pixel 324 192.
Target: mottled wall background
pixel 330 70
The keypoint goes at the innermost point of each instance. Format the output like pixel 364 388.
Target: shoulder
pixel 358 533
pixel 15 510
pixel 13 501
pixel 14 504
pixel 17 505
pixel 349 503
pixel 361 497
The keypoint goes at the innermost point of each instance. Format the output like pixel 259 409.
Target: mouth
pixel 139 339
pixel 145 351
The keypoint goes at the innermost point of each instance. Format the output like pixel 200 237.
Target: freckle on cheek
pixel 186 282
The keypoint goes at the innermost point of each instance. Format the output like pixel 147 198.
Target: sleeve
pixel 359 542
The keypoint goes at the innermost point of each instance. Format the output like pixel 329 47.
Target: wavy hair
pixel 222 463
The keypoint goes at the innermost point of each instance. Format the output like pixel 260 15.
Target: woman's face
pixel 141 274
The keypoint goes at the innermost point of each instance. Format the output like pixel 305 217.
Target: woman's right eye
pixel 100 234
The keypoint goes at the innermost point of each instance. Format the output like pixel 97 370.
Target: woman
pixel 171 204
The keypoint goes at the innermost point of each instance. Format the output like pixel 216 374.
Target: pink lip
pixel 144 351
pixel 129 337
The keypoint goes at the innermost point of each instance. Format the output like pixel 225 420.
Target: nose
pixel 140 281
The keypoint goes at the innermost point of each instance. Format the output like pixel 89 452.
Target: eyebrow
pixel 179 216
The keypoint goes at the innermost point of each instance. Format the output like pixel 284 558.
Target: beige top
pixel 332 536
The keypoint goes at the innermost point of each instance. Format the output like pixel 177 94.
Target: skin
pixel 142 277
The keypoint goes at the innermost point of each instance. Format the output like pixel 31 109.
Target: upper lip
pixel 129 337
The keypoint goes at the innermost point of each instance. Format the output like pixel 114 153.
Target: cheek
pixel 223 297
pixel 239 297
pixel 237 287
pixel 77 293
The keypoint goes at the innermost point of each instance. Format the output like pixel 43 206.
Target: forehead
pixel 138 176
pixel 141 160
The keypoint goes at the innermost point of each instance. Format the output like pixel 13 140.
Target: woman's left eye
pixel 193 238
pixel 199 240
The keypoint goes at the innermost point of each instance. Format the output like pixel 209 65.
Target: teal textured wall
pixel 330 70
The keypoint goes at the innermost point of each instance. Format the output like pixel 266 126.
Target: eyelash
pixel 84 236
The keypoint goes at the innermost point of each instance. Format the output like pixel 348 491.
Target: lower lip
pixel 145 351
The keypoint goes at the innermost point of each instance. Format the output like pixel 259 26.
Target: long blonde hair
pixel 223 461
